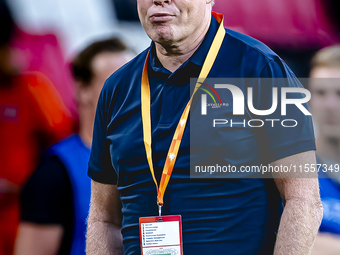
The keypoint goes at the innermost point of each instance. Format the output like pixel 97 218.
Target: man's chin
pixel 165 40
pixel 163 36
pixel 332 133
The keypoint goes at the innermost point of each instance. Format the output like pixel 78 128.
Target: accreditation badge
pixel 161 235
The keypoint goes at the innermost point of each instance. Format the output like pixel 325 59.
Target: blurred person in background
pixel 325 106
pixel 42 53
pixel 56 199
pixel 34 50
pixel 32 117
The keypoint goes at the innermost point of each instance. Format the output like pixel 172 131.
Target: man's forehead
pixel 107 60
pixel 326 72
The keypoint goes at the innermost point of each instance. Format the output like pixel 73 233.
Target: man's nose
pixel 161 2
pixel 332 102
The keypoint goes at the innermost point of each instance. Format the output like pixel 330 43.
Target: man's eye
pixel 320 92
pixel 338 93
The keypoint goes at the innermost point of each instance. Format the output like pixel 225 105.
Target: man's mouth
pixel 161 17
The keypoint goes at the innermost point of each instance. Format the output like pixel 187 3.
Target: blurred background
pixel 292 26
pixel 50 33
pixel 56 30
pixel 293 29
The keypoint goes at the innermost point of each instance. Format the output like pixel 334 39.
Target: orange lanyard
pixel 177 138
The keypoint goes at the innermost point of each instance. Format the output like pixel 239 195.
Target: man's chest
pixel 202 141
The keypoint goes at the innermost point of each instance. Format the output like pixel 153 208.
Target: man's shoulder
pixel 253 45
pixel 72 139
pixel 64 147
pixel 28 81
pixel 32 76
pixel 251 57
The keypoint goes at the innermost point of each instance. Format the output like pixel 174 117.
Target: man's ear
pixel 82 93
pixel 77 88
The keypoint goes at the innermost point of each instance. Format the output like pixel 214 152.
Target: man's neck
pixel 328 147
pixel 86 122
pixel 173 56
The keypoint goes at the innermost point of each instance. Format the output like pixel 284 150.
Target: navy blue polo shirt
pixel 233 216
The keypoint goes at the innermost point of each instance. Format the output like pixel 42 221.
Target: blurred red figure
pixel 43 53
pixel 287 24
pixel 32 116
pixel 295 30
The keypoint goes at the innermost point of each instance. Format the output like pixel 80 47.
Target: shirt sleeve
pixel 287 134
pixel 100 165
pixel 46 197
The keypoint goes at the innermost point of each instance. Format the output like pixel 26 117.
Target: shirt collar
pixel 155 64
pixel 200 54
pixel 197 58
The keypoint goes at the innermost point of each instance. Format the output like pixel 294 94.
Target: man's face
pixel 172 21
pixel 103 65
pixel 325 101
